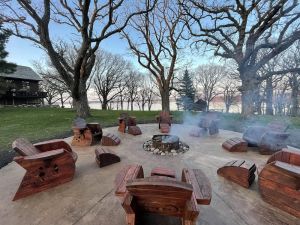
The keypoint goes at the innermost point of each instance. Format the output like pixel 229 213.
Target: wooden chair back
pixel 160 195
pixel 164 117
pixel 24 147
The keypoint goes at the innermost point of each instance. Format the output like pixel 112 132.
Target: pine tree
pixel 186 91
pixel 5 67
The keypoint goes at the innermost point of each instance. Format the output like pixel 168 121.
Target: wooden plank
pixel 201 185
pixel 128 173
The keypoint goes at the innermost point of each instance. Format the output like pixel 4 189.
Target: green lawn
pixel 46 123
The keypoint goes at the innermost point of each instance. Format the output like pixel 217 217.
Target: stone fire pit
pixel 164 144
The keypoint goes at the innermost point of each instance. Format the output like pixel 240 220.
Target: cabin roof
pixel 24 73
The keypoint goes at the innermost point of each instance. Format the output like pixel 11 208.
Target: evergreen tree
pixel 186 91
pixel 5 67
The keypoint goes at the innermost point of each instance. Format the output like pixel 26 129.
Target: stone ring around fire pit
pixel 164 144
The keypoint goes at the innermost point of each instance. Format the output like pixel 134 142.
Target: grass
pixel 38 124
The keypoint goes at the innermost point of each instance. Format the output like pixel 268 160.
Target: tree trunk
pixel 295 103
pixel 294 83
pixel 104 105
pixel 131 105
pixel 248 90
pixel 269 97
pixel 227 107
pixel 165 99
pixel 81 104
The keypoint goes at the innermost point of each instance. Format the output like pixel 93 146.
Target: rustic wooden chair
pixel 164 120
pixel 86 134
pixel 279 181
pixel 47 165
pixel 128 124
pixel 162 195
pixel 210 122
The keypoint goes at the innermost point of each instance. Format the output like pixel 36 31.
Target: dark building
pixel 21 87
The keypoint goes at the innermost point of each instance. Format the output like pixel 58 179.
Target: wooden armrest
pixel 292 169
pixel 128 173
pixel 52 145
pixel 45 155
pixel 201 185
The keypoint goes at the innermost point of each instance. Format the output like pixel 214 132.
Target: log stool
pixel 110 140
pixel 239 171
pixel 197 132
pixel 134 130
pixel 105 157
pixel 235 145
pixel 163 172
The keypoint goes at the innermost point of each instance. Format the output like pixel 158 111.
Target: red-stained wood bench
pixel 47 165
pixel 110 140
pixel 105 157
pixel 279 181
pixel 162 195
pixel 279 185
pixel 235 145
pixel 239 171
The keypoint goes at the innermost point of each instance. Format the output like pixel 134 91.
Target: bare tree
pixel 207 79
pixel 90 21
pixel 155 39
pixel 281 97
pixel 146 94
pixel 229 87
pixel 292 60
pixel 110 71
pixel 133 83
pixel 240 30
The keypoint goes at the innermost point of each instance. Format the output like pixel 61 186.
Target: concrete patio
pixel 89 198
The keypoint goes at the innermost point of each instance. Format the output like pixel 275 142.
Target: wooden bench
pixel 162 195
pixel 161 171
pixel 47 165
pixel 279 185
pixel 105 157
pixel 110 140
pixel 235 145
pixel 134 130
pixel 239 171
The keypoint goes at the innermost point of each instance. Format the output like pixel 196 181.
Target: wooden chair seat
pixel 110 140
pixel 47 165
pixel 105 157
pixel 162 194
pixel 239 171
pixel 235 145
pixel 164 128
pixel 161 171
